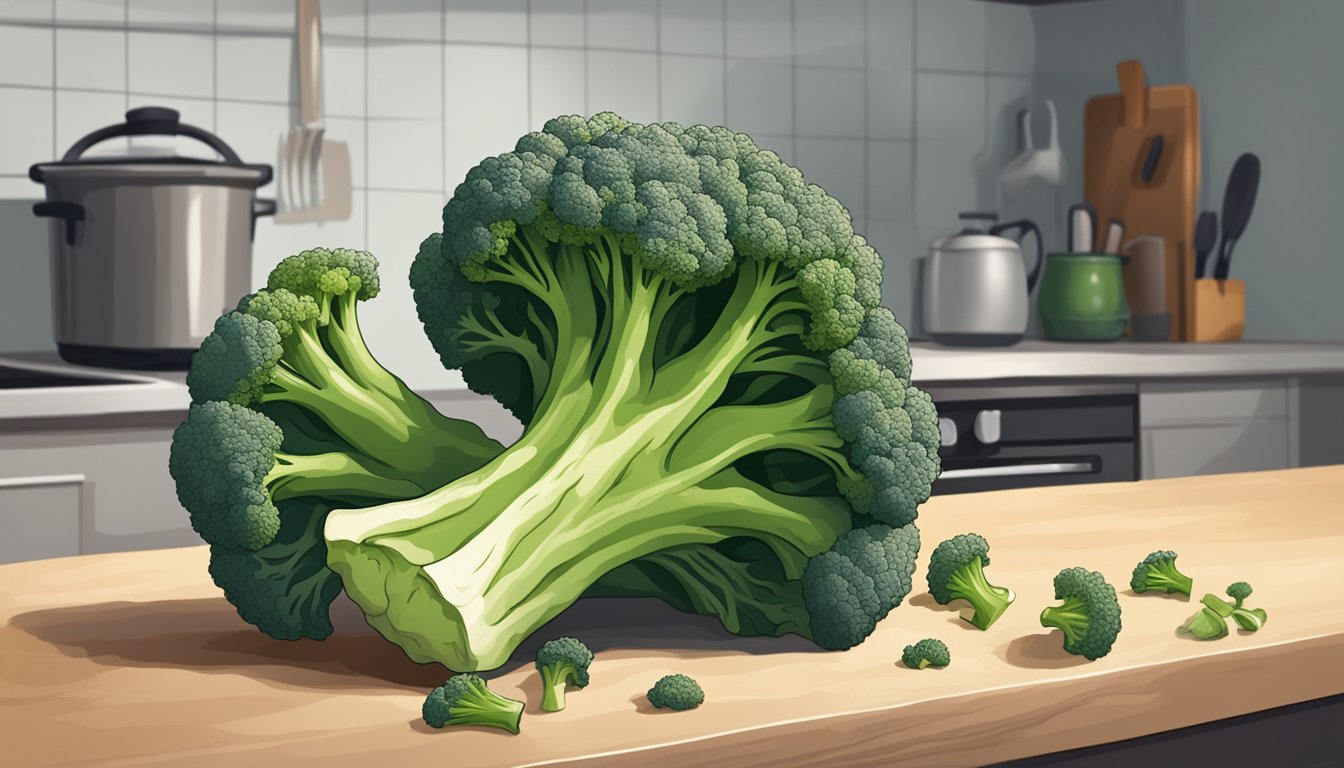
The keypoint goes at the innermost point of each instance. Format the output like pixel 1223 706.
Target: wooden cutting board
pixel 1117 134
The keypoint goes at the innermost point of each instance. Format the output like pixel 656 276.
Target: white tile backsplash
pixel 351 132
pixel 405 80
pixel 406 19
pixel 830 102
pixel 27 10
pixel 1011 47
pixel 343 78
pixel 952 34
pixel 830 34
pixel 838 166
pixel 79 113
pixel 760 97
pixel 91 58
pixel 951 147
pixel 344 19
pixel 253 68
pixel 692 89
pixel 178 15
pixel 255 131
pixel 557 84
pixel 26 55
pixel 625 83
pixel 624 24
pixel 486 21
pixel 479 124
pixel 110 11
pixel 891 34
pixel 405 154
pixel 760 29
pixel 171 63
pixel 556 22
pixel 27 141
pixel 254 15
pixel 691 26
pixel 890 196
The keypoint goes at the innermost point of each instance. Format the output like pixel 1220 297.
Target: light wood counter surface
pixel 136 658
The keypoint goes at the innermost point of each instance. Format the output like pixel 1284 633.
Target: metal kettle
pixel 976 290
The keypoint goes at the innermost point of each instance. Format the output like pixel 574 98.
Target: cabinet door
pixel 1214 449
pixel 39 516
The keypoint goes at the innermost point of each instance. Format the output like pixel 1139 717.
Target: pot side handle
pixel 261 206
pixel 69 212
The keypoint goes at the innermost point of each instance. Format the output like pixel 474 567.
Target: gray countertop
pixel 1041 361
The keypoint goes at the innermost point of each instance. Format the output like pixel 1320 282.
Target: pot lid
pixel 974 241
pixel 154 121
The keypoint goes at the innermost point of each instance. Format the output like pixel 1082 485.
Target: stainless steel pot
pixel 147 252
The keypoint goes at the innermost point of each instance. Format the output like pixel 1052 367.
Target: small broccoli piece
pixel 929 652
pixel 1205 625
pixel 956 572
pixel 677 692
pixel 1090 615
pixel 467 700
pixel 1158 572
pixel 1249 619
pixel 562 662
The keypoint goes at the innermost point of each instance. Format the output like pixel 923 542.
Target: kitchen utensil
pixel 1118 131
pixel 1082 227
pixel 1206 237
pixel 147 252
pixel 1082 297
pixel 1152 158
pixel 1238 202
pixel 315 171
pixel 1115 234
pixel 1031 164
pixel 976 289
pixel 1147 271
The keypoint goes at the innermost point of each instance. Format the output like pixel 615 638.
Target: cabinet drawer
pixel 39 517
pixel 1214 449
pixel 1224 402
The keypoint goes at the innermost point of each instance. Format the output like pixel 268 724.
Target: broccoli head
pixel 1090 615
pixel 929 652
pixel 1211 621
pixel 1158 572
pixel 466 700
pixel 676 692
pixel 562 662
pixel 957 572
pixel 717 410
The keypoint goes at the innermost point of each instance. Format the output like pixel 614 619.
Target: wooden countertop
pixel 135 658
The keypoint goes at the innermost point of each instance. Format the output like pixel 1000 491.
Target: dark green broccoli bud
pixel 236 361
pixel 929 652
pixel 1249 619
pixel 1158 572
pixel 852 587
pixel 677 692
pixel 1206 624
pixel 1090 615
pixel 466 700
pixel 562 662
pixel 957 572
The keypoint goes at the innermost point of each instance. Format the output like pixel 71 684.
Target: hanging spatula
pixel 314 182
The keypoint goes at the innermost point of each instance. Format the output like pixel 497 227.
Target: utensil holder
pixel 1220 310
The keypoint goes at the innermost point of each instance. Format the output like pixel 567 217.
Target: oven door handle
pixel 1019 470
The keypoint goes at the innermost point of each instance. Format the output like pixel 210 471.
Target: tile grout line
pixel 55 84
pixel 126 56
pixel 368 143
pixel 724 16
pixel 443 100
pixel 867 159
pixel 214 65
pixel 527 32
pixel 658 58
pixel 585 59
pixel 912 184
pixel 793 81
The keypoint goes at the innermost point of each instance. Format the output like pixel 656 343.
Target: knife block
pixel 1220 310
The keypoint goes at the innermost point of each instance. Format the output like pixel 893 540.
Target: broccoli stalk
pixel 467 700
pixel 957 572
pixel 1249 619
pixel 1089 616
pixel 1158 572
pixel 929 652
pixel 562 662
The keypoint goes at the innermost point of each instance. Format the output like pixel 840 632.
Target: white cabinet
pixel 1217 426
pixel 39 516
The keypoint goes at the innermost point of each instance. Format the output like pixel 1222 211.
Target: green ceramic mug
pixel 1082 297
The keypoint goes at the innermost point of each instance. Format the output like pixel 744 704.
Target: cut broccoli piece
pixel 677 692
pixel 466 700
pixel 1249 619
pixel 929 652
pixel 956 572
pixel 1158 572
pixel 1205 625
pixel 562 662
pixel 1090 615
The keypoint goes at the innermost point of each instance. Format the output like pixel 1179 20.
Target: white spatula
pixel 314 182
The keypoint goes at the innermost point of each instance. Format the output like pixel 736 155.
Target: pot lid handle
pixel 153 121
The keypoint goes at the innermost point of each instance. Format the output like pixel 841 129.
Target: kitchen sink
pixel 17 377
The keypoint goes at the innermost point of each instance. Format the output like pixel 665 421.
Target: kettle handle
pixel 1026 226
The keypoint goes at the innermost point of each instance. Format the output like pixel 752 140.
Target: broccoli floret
pixel 1249 619
pixel 562 662
pixel 717 410
pixel 1090 615
pixel 1158 572
pixel 677 692
pixel 466 700
pixel 1206 624
pixel 957 572
pixel 929 652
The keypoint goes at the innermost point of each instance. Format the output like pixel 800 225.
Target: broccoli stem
pixel 554 678
pixel 1071 617
pixel 988 601
pixel 1164 576
pixel 336 476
